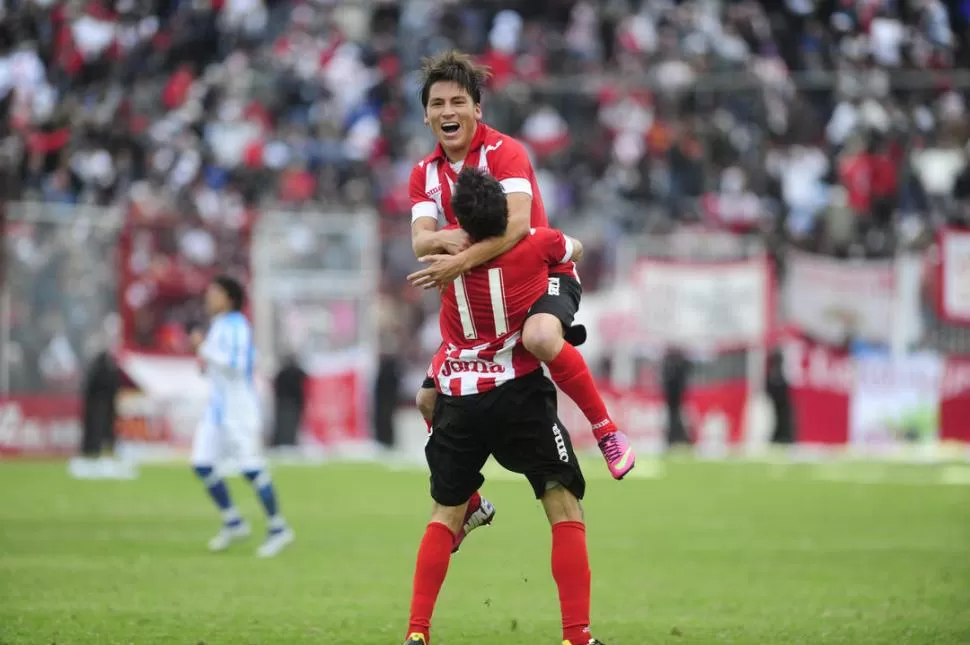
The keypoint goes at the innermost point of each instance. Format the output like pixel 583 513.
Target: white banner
pixel 955 259
pixel 830 299
pixel 315 297
pixel 726 304
pixel 896 401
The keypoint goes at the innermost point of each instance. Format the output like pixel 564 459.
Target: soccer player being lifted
pixel 495 400
pixel 231 425
pixel 451 98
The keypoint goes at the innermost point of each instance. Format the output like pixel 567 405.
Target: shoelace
pixel 611 447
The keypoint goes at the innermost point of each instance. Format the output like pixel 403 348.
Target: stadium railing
pixel 79 280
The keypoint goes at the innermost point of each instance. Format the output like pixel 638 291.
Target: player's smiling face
pixel 453 117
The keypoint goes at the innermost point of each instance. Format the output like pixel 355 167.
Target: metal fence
pixel 60 293
pixel 80 279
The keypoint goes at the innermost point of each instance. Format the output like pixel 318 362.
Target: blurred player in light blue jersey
pixel 231 425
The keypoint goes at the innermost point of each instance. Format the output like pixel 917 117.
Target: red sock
pixel 571 374
pixel 570 569
pixel 434 554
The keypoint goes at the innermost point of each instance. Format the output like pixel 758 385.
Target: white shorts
pixel 213 444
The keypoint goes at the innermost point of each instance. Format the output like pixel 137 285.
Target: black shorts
pixel 517 424
pixel 561 299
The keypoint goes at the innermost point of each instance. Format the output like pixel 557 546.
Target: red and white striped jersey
pixel 433 179
pixel 483 311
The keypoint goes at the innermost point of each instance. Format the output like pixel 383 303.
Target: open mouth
pixel 449 128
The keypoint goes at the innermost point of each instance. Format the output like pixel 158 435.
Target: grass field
pixel 702 553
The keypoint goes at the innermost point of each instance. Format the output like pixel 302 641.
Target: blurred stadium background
pixel 775 199
pixel 751 178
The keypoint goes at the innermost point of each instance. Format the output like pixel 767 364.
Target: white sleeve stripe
pixel 516 185
pixel 569 250
pixel 424 209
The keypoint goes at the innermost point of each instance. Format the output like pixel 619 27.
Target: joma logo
pixel 480 367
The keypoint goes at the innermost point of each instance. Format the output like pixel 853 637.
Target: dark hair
pixel 479 205
pixel 233 289
pixel 455 67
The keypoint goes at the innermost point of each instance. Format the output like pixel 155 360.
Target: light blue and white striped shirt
pixel 229 353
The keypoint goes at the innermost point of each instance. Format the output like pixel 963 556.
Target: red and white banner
pixel 713 414
pixel 876 402
pixel 40 426
pixel 828 298
pixel 955 276
pixel 719 305
pixel 336 407
pixel 821 381
pixel 955 401
pixel 143 426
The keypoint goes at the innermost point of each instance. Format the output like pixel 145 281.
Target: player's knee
pixel 257 476
pixel 542 336
pixel 451 516
pixel 203 471
pixel 425 400
pixel 560 504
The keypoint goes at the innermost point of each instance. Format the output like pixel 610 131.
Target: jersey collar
pixel 478 140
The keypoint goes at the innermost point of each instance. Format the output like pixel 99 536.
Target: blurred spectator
pixel 289 391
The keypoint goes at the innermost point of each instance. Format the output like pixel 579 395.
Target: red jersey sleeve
pixel 552 246
pixel 421 204
pixel 510 164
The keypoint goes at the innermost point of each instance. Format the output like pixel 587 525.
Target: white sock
pixel 277 523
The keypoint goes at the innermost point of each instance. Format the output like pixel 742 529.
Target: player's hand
pixel 454 241
pixel 440 272
pixel 196 338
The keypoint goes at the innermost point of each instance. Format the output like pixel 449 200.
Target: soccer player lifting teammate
pixel 496 401
pixel 451 96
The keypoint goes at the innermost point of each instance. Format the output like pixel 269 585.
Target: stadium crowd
pixel 837 125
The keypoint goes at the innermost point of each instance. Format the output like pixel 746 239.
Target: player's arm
pixel 443 269
pixel 576 248
pixel 520 216
pixel 511 167
pixel 426 239
pixel 555 247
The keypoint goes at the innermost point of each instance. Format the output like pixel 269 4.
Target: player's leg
pixel 431 568
pixel 249 449
pixel 479 512
pixel 560 487
pixel 207 451
pixel 570 562
pixel 544 336
pixel 425 400
pixel 455 454
pixel 535 443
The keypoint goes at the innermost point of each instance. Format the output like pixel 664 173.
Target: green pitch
pixel 701 553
